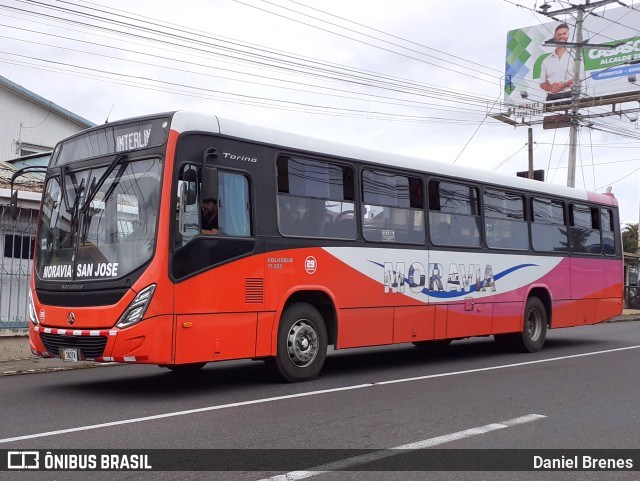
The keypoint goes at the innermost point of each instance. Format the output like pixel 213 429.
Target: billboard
pixel 539 73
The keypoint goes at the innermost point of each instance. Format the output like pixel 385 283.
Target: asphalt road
pixel 580 392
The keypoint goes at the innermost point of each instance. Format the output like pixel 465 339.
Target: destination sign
pixel 83 270
pixel 112 139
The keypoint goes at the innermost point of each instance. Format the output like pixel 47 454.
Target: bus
pixel 317 244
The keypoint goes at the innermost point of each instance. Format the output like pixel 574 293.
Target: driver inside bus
pixel 210 216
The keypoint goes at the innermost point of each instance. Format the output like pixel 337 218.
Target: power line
pixel 449 55
pixel 509 157
pixel 378 98
pixel 408 87
pixel 359 41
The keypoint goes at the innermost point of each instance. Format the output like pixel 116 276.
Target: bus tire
pixel 302 343
pixel 534 329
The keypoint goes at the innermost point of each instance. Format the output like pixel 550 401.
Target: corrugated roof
pixel 26 182
pixel 48 104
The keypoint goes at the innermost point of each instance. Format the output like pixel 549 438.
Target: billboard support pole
pixel 577 81
pixel 530 149
pixel 575 102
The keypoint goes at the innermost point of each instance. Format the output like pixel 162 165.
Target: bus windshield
pixel 99 222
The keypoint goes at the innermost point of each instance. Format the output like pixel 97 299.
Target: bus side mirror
pixel 209 182
pixel 190 176
pixel 13 205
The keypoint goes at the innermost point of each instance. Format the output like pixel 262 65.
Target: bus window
pixel 315 199
pixel 196 248
pixel 608 237
pixel 506 225
pixel 585 229
pixel 454 214
pixel 548 228
pixel 393 207
pixel 230 210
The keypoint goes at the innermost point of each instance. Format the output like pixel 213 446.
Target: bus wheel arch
pixel 324 303
pixel 301 343
pixel 545 297
pixel 536 320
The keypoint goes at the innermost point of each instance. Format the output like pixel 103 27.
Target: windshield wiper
pixel 63 188
pixel 74 211
pixel 95 186
pixel 77 189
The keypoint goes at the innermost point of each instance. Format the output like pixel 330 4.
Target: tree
pixel 630 238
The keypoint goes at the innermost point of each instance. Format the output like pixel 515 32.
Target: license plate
pixel 69 354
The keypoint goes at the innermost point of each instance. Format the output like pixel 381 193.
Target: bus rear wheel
pixel 534 329
pixel 302 343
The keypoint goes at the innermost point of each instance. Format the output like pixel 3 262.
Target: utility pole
pixel 577 81
pixel 530 149
pixel 575 102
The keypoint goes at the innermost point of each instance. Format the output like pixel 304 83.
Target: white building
pixel 29 124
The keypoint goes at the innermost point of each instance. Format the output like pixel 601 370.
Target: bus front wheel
pixel 302 343
pixel 534 329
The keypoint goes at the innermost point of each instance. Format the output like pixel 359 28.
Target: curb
pixel 38 370
pixel 627 318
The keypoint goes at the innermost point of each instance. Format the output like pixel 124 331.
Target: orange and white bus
pixel 316 244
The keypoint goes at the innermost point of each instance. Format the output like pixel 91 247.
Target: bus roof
pixel 184 121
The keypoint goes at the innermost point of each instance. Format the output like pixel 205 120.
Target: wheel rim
pixel 302 343
pixel 534 325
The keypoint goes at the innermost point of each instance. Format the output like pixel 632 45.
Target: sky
pixel 416 77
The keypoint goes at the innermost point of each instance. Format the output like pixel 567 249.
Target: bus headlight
pixel 32 309
pixel 137 308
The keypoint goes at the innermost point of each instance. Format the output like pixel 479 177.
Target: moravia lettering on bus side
pixel 460 278
pixel 134 140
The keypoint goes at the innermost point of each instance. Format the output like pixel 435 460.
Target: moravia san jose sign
pixel 542 73
pixel 83 270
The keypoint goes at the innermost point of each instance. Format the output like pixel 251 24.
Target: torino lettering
pixel 461 278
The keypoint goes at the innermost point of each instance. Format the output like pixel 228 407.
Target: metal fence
pixel 16 247
pixel 632 297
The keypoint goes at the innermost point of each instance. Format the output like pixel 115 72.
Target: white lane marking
pixel 505 366
pixel 180 413
pixel 299 395
pixel 346 464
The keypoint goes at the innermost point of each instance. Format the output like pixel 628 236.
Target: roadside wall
pixel 14 344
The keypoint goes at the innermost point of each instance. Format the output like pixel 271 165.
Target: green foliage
pixel 630 238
